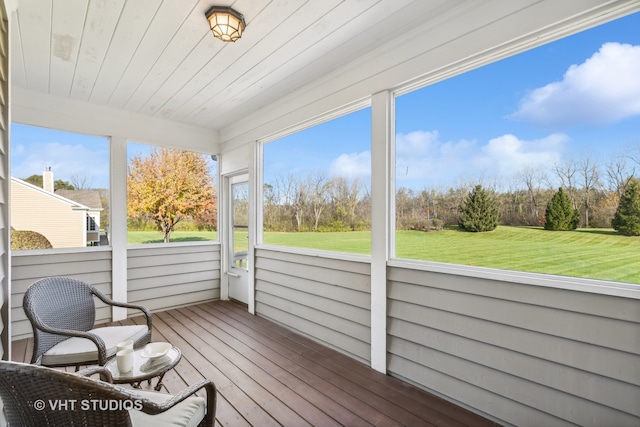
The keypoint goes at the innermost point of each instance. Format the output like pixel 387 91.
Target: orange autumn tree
pixel 170 186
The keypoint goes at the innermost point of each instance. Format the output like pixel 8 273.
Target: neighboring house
pixel 91 199
pixel 66 223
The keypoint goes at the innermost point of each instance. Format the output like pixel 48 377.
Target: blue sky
pixel 33 149
pixel 574 98
pixel 569 100
pixel 70 155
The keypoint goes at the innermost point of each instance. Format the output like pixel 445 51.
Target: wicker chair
pixel 36 396
pixel 62 314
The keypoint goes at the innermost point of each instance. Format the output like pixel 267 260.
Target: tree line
pixel 317 202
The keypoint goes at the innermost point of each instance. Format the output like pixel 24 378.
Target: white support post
pixel 381 127
pixel 255 219
pixel 223 227
pixel 118 224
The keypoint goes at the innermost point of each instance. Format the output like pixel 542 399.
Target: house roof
pixel 74 205
pixel 90 198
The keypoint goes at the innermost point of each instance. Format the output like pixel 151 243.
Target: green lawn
pixel 593 253
pixel 136 237
pixel 358 242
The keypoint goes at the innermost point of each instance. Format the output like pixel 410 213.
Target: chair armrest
pixel 153 408
pixel 105 374
pixel 105 299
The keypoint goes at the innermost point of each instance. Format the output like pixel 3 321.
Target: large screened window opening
pixel 317 186
pixel 171 195
pixel 528 164
pixel 59 189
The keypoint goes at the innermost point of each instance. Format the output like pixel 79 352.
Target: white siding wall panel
pixel 162 276
pixel 526 355
pixel 191 274
pixel 324 298
pixel 91 266
pixel 5 261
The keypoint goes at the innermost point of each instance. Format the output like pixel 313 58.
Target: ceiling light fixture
pixel 226 24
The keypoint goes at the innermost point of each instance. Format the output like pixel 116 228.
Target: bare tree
pixel 300 202
pixel 81 181
pixel 634 156
pixel 589 176
pixel 317 195
pixel 344 199
pixel 566 172
pixel 270 206
pixel 618 174
pixel 532 179
pixel 285 195
pixel 403 197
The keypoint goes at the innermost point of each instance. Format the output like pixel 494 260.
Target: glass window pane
pixel 59 189
pixel 240 221
pixel 316 186
pixel 171 195
pixel 522 164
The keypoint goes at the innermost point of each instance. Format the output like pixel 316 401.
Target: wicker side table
pixel 145 368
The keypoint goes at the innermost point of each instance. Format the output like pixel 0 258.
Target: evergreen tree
pixel 627 217
pixel 560 214
pixel 478 211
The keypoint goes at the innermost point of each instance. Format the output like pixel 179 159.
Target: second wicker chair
pixel 62 312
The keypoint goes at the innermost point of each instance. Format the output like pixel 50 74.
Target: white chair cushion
pixel 75 350
pixel 189 412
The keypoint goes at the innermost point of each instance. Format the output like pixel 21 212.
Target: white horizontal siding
pixel 527 355
pixel 324 298
pixel 5 261
pixel 91 266
pixel 161 277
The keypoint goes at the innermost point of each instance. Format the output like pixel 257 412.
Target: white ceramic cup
pixel 124 359
pixel 124 345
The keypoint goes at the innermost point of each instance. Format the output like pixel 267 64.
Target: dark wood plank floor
pixel 267 375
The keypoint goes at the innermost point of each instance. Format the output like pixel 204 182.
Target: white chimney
pixel 47 180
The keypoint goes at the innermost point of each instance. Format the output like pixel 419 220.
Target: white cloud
pixel 507 154
pixel 422 157
pixel 416 143
pixel 352 165
pixel 604 89
pixel 422 160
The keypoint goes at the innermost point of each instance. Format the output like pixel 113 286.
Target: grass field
pixel 592 253
pixel 136 237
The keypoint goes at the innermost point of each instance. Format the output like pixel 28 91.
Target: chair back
pixel 58 302
pixel 38 396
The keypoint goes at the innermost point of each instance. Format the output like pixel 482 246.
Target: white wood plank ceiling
pixel 159 58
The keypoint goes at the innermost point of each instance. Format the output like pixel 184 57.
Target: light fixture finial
pixel 226 24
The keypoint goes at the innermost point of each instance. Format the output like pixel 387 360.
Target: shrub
pixel 479 211
pixel 560 214
pixel 627 217
pixel 433 224
pixel 24 240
